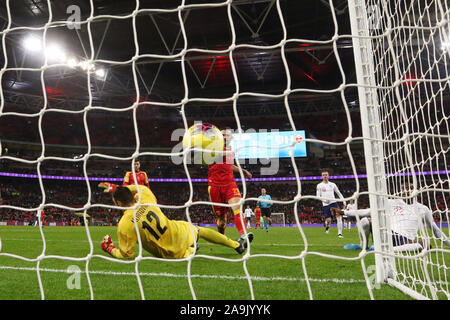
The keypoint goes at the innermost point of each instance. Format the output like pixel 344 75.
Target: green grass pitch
pixel 272 278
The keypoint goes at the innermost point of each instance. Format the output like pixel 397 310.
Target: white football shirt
pixel 248 213
pixel 404 218
pixel 327 190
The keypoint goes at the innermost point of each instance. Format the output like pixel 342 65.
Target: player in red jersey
pixel 223 189
pixel 141 176
pixel 258 217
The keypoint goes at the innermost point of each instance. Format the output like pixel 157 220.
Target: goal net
pixel 402 61
pixel 400 50
pixel 278 219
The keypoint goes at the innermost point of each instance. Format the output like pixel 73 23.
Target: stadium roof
pixel 311 65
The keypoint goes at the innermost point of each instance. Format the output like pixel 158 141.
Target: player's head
pixel 325 175
pixel 406 191
pixel 248 206
pixel 137 165
pixel 263 191
pixel 227 133
pixel 123 197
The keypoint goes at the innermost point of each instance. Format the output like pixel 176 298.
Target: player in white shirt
pixel 405 220
pixel 248 213
pixel 348 219
pixel 39 216
pixel 327 189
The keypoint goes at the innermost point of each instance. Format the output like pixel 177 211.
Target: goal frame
pixel 280 214
pixel 373 147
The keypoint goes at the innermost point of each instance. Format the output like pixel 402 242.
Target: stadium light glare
pixel 100 73
pixel 86 65
pixel 55 53
pixel 72 62
pixel 32 43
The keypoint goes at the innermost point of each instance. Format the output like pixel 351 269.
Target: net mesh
pixel 411 75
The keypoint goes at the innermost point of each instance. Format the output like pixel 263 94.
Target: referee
pixel 265 208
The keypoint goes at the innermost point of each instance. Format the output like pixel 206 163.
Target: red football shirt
pixel 141 178
pixel 257 213
pixel 221 174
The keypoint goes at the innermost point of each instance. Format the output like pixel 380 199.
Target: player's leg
pixel 221 221
pixel 233 197
pixel 327 216
pixel 214 237
pixel 237 215
pixel 364 232
pixel 403 244
pixel 267 217
pixel 220 212
pixel 364 229
pixel 338 219
pixel 217 238
pixel 265 221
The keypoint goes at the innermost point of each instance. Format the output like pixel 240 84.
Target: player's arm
pixel 127 242
pixel 429 222
pixel 146 180
pixel 126 180
pixel 147 195
pixel 247 173
pixel 270 198
pixel 336 190
pixel 353 213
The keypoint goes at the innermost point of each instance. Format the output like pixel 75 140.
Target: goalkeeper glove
pixel 108 187
pixel 107 244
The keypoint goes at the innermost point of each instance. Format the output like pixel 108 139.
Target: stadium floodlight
pixel 55 53
pixel 86 65
pixel 100 73
pixel 72 62
pixel 32 43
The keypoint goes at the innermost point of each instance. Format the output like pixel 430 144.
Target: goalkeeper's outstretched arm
pixel 126 245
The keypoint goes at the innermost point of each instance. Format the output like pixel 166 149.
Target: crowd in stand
pixel 27 193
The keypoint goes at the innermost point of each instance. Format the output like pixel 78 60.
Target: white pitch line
pixel 173 275
pixel 202 244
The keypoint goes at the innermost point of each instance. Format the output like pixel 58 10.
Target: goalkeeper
pixel 160 236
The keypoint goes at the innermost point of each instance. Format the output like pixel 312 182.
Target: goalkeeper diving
pixel 160 236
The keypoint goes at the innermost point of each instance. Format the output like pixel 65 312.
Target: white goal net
pixel 402 57
pixel 401 51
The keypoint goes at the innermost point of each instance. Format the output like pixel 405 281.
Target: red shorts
pixel 223 195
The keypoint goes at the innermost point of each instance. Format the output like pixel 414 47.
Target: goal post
pixel 401 62
pixel 373 139
pixel 278 218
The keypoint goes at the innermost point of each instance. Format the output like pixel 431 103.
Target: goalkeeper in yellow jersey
pixel 160 236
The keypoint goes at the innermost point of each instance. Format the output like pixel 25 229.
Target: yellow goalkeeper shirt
pixel 160 236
